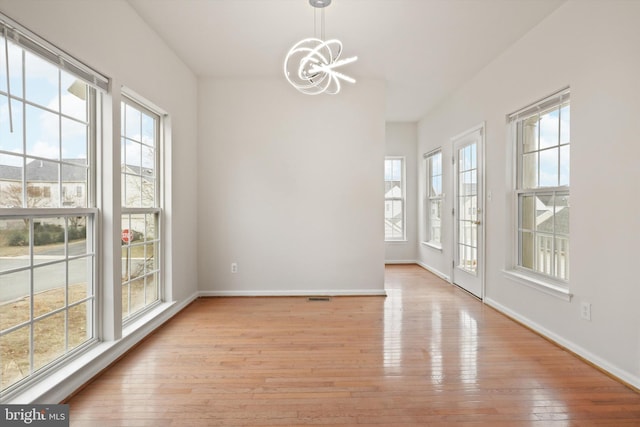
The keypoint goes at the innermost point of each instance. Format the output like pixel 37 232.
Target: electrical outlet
pixel 234 267
pixel 585 311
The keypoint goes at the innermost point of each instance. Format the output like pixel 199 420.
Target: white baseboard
pixel 399 261
pixel 601 363
pixel 63 382
pixel 294 293
pixel 434 271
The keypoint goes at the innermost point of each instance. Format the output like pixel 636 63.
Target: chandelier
pixel 310 65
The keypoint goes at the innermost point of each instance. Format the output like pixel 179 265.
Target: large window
pixel 47 207
pixel 433 198
pixel 394 199
pixel 140 151
pixel 542 135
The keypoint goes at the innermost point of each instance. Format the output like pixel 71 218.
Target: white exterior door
pixel 468 262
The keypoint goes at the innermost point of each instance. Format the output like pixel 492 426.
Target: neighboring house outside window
pixel 542 136
pixel 433 198
pixel 47 239
pixel 394 199
pixel 141 213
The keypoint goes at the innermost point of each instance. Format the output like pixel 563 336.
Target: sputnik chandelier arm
pixel 310 64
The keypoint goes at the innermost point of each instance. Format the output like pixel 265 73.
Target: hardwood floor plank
pixel 427 354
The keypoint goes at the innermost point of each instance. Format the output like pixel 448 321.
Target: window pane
pixel 549 129
pixel 529 177
pixel 530 134
pixel 42 133
pixel 148 192
pixel 74 181
pixel 544 213
pixel 74 141
pixel 562 214
pixel 435 221
pixel 549 167
pixel 49 339
pixel 527 212
pixel 80 326
pixel 132 123
pixel 14 244
pixel 74 96
pixel 150 227
pixel 565 130
pixel 137 295
pixel 49 239
pixel 77 235
pixel 125 299
pixel 152 288
pixel 49 283
pixel 133 156
pixel 437 161
pixel 526 249
pixel 133 186
pixel 42 82
pixel 79 287
pixel 15 68
pixel 149 258
pixel 11 141
pixel 562 257
pixel 15 304
pixel 11 188
pixel 14 356
pixel 564 165
pixel 126 263
pixel 544 247
pixel 148 130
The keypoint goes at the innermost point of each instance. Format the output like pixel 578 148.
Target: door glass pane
pixel 467 208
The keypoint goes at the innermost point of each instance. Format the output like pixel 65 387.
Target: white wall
pixel 593 47
pixel 291 188
pixel 401 140
pixel 110 37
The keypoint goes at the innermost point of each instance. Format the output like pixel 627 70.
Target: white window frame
pixel 155 211
pixel 401 199
pixel 532 277
pixel 27 41
pixel 430 198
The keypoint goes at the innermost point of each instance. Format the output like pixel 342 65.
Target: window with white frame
pixel 141 211
pixel 394 199
pixel 542 136
pixel 47 233
pixel 433 198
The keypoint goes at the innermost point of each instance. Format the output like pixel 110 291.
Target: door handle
pixel 476 222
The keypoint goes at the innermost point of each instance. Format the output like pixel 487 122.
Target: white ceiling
pixel 423 49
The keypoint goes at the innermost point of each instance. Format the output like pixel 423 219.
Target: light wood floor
pixel 428 354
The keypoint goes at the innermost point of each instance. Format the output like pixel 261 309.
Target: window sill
pixel 539 284
pixel 396 241
pixel 433 246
